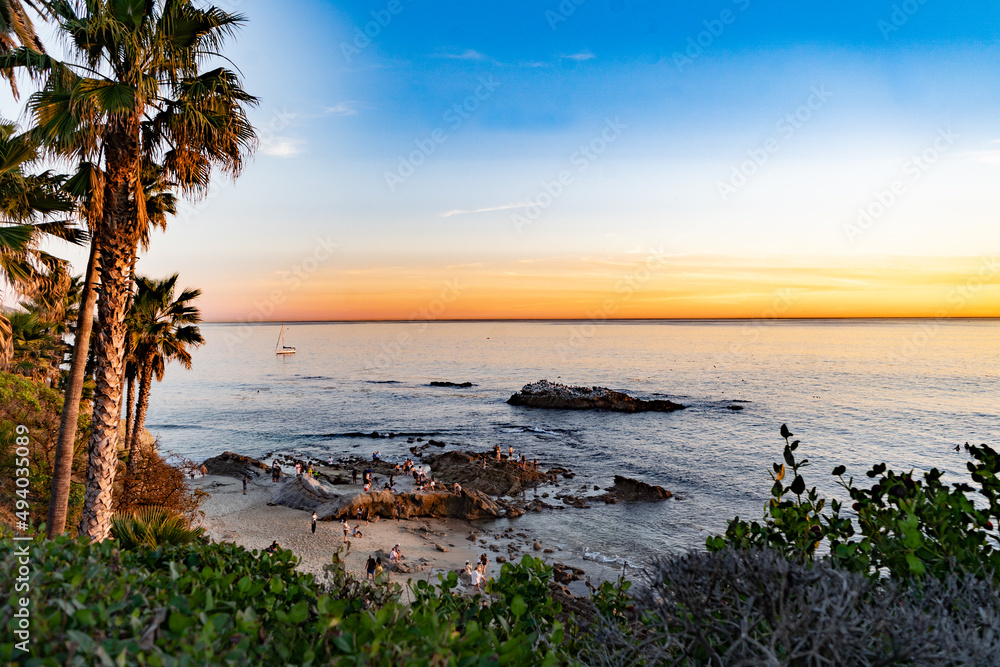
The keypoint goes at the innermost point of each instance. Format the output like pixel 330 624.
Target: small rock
pixel 538 546
pixel 442 548
pixel 548 551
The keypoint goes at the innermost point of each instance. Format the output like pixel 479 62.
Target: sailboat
pixel 280 347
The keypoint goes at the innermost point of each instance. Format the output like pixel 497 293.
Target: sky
pixel 603 159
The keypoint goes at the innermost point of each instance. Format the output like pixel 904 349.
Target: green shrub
pixel 908 525
pixel 219 604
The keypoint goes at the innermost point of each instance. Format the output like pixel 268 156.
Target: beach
pixel 430 546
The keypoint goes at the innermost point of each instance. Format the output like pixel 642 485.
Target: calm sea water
pixel 854 392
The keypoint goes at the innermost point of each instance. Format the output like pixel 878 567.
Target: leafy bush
pixel 908 526
pixel 213 604
pixel 759 608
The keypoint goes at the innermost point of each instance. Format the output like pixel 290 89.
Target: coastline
pixel 431 546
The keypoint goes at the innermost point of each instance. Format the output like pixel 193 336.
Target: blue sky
pixel 755 131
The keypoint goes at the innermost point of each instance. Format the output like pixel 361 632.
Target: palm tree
pixel 164 328
pixel 25 201
pixel 138 93
pixel 16 29
pixel 87 186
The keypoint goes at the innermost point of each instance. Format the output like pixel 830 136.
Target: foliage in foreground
pixel 152 526
pixel 219 604
pixel 907 526
pixel 760 608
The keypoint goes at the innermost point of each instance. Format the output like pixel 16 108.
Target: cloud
pixel 988 156
pixel 468 54
pixel 346 108
pixel 505 207
pixel 282 147
pixel 583 55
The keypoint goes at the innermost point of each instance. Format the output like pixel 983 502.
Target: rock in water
pixel 496 479
pixel 631 490
pixel 460 385
pixel 554 396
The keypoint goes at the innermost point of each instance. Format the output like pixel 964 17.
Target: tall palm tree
pixel 138 92
pixel 87 186
pixel 165 327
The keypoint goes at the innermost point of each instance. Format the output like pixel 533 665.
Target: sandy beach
pixel 250 521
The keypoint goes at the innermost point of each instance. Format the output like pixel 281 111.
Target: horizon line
pixel 606 320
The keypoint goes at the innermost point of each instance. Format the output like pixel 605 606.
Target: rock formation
pixel 632 490
pixel 302 492
pixel 228 464
pixel 467 505
pixel 554 396
pixel 498 478
pixel 460 385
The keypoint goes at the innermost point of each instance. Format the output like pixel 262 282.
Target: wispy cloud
pixel 346 108
pixel 282 147
pixel 582 55
pixel 468 54
pixel 505 207
pixel 988 156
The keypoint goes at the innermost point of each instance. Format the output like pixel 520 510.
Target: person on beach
pixel 536 465
pixel 347 529
pixel 314 523
pixel 484 562
pixel 366 515
pixel 298 469
pixel 245 480
pixel 273 548
pixel 329 460
pixel 370 568
pixel 395 555
pixel 359 516
pixel 357 532
pixel 510 453
pixel 204 470
pixel 399 510
pixel 354 475
pixel 378 566
pixel 458 489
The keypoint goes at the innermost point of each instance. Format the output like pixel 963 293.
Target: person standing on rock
pixel 298 469
pixel 314 523
pixel 510 452
pixel 354 475
pixel 245 480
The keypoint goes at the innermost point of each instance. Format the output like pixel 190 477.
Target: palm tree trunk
pixel 117 240
pixel 145 377
pixel 129 405
pixel 63 467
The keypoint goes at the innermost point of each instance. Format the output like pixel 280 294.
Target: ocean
pixel 855 392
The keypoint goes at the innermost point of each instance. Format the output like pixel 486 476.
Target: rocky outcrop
pixel 497 478
pixel 460 385
pixel 632 490
pixel 302 492
pixel 228 464
pixel 467 505
pixel 554 396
